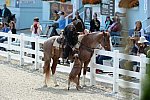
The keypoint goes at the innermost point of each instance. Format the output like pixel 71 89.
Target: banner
pixel 88 14
pixel 53 6
pixel 66 8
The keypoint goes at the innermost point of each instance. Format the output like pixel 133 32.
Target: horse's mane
pixel 92 39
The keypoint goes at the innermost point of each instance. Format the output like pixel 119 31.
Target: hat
pixel 59 12
pixel 142 40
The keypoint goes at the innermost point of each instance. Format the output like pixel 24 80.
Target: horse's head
pixel 104 40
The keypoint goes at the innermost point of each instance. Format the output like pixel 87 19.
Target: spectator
pixel 6 13
pixel 115 28
pixel 5 28
pixel 108 22
pixel 78 22
pixel 61 21
pixel 12 28
pixel 138 31
pixel 36 29
pixel 94 24
pixel 2 38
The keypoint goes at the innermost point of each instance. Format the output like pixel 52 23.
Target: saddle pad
pixel 56 44
pixel 80 37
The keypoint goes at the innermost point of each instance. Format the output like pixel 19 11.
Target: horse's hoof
pixel 79 87
pixel 45 85
pixel 56 85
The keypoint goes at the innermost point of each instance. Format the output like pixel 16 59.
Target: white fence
pixel 22 48
pixel 116 80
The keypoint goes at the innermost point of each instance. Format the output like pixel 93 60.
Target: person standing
pixel 6 14
pixel 61 21
pixel 94 24
pixel 108 22
pixel 12 28
pixel 78 22
pixel 36 29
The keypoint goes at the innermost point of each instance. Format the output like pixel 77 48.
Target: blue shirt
pixel 6 30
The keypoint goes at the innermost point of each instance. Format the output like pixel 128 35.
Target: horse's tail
pixel 46 69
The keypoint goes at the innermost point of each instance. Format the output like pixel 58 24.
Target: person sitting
pixel 3 38
pixel 115 29
pixel 58 25
pixel 94 24
pixel 13 29
pixel 138 31
pixel 61 21
pixel 108 22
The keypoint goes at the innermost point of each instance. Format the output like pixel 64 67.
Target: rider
pixel 71 39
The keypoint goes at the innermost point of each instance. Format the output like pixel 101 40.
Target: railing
pixel 22 48
pixel 117 71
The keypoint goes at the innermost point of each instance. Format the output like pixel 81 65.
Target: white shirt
pixel 39 30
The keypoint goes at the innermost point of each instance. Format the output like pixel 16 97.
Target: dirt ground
pixel 23 83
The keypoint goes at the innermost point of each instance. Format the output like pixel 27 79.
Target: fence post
pixel 21 49
pixel 9 44
pixel 142 72
pixel 115 73
pixel 36 53
pixel 92 69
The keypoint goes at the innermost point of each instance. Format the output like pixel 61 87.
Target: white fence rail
pixel 116 70
pixel 22 48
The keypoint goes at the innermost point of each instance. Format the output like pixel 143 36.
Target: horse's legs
pixel 68 84
pixel 46 70
pixel 84 71
pixel 53 68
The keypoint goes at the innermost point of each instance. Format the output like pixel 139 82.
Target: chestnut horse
pixel 87 46
pixel 86 49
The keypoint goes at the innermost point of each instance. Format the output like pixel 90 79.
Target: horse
pixel 54 53
pixel 87 46
pixel 86 50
